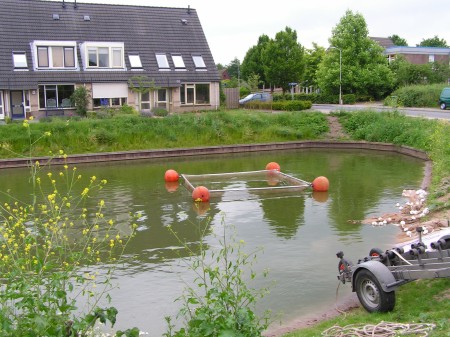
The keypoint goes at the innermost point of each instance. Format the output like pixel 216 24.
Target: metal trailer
pixel 376 277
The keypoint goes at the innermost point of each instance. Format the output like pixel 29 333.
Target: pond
pixel 300 232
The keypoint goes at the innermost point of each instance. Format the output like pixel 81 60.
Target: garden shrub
pixel 417 95
pixel 160 112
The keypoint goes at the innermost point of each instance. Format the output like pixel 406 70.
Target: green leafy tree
pixel 365 70
pixel 433 42
pixel 283 59
pixel 407 73
pixel 313 57
pixel 234 68
pixel 141 85
pixel 253 82
pixel 398 41
pixel 80 99
pixel 252 63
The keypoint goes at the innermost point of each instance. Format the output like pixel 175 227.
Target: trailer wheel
pixel 370 293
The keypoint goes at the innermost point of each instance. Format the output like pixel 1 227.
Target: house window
pixel 104 55
pixel 55 96
pixel 135 61
pixel 56 57
pixel 194 94
pixel 109 102
pixel 162 98
pixel 20 60
pixel 162 61
pixel 54 54
pixel 198 61
pixel 145 101
pixel 431 58
pixel 178 61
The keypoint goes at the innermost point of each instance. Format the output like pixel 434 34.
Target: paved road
pixel 414 112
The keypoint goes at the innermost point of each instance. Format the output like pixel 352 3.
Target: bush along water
pixel 56 259
pixel 220 303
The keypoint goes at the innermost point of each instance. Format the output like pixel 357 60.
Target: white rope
pixel 382 329
pixel 401 257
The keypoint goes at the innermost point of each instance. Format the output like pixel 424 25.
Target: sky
pixel 232 27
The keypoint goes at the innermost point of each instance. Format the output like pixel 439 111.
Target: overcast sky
pixel 232 27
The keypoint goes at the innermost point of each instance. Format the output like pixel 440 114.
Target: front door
pixel 17 104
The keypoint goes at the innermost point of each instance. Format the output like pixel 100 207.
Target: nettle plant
pixel 58 252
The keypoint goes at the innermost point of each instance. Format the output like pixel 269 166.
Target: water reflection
pixel 300 232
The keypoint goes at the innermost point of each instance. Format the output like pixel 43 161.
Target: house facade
pixel 414 55
pixel 49 48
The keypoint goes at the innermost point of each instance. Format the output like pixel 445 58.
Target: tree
pixel 365 70
pixel 433 42
pixel 141 85
pixel 283 59
pixel 80 99
pixel 313 57
pixel 398 41
pixel 234 68
pixel 252 63
pixel 407 73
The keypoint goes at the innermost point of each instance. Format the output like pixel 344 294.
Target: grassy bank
pixel 422 301
pixel 131 132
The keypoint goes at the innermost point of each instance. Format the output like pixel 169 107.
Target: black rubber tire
pixel 372 297
pixel 375 252
pixel 443 106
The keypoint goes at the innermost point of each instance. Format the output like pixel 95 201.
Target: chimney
pixel 189 9
pixel 75 4
pixel 63 4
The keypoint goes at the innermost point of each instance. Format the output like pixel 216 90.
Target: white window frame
pixel 193 88
pixel 163 63
pixel 431 58
pixel 111 46
pixel 178 61
pixel 122 102
pixel 2 110
pixel 199 62
pixel 20 60
pixel 35 45
pixel 135 61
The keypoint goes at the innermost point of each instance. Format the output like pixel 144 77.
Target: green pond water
pixel 300 232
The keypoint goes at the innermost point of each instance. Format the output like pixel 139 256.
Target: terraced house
pixel 49 48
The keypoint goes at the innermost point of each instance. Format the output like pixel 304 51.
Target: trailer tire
pixel 370 293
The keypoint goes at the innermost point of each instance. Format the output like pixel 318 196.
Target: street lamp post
pixel 340 72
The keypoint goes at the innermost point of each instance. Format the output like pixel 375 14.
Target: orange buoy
pixel 320 184
pixel 172 186
pixel 320 196
pixel 200 193
pixel 273 166
pixel 171 176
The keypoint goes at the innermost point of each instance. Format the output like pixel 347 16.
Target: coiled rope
pixel 382 329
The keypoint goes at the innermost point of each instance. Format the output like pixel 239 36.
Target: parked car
pixel 444 99
pixel 260 96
